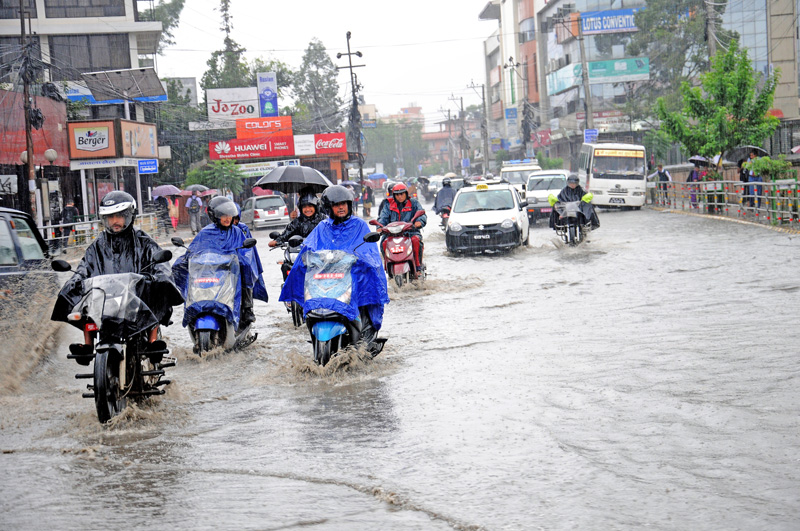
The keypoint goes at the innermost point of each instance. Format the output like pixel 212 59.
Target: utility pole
pixel 26 72
pixel 355 115
pixel 484 127
pixel 462 139
pixel 711 30
pixel 587 89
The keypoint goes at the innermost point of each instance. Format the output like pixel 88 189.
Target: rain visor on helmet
pixel 337 194
pixel 446 181
pixel 572 178
pixel 120 203
pixel 221 206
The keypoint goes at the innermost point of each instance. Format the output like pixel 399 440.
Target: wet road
pixel 646 378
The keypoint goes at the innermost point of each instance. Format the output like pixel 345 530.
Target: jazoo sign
pixel 231 104
pixel 267 94
pixel 91 138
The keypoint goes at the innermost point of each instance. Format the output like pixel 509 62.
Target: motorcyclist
pixel 400 208
pixel 573 191
pixel 302 225
pixel 221 235
pixel 445 196
pixel 260 289
pixel 341 230
pixel 121 248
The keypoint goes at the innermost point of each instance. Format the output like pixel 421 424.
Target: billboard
pixel 257 127
pixel 615 21
pixel 279 145
pixel 232 104
pixel 330 143
pixel 138 139
pixel 267 94
pixel 92 140
pixel 612 71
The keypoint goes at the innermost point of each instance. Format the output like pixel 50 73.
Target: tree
pixel 172 118
pixel 672 33
pixel 318 107
pixel 227 68
pixel 220 174
pixel 168 12
pixel 726 111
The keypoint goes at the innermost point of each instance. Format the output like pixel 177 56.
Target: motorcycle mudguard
pixel 401 268
pixel 327 330
pixel 206 322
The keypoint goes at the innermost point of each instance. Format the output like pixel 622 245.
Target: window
pixel 527 30
pixel 28 243
pixel 84 8
pixel 10 8
pixel 269 203
pixel 8 254
pixel 72 54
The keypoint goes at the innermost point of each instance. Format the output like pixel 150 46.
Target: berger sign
pixel 91 138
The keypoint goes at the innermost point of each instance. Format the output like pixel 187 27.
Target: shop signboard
pixel 612 21
pixel 139 139
pixel 92 140
pixel 304 145
pixel 236 149
pixel 78 91
pixel 259 169
pixel 148 166
pixel 330 143
pixel 232 104
pixel 619 70
pixel 259 127
pixel 267 94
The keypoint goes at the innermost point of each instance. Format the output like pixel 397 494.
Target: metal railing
pixel 771 203
pixel 81 234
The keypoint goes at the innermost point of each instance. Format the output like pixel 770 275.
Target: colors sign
pixel 267 94
pixel 92 140
pixel 616 21
pixel 262 127
pixel 232 104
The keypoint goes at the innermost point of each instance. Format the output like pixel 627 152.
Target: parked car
pixel 24 258
pixel 487 217
pixel 540 185
pixel 265 212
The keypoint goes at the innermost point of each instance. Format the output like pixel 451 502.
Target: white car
pixel 265 212
pixel 541 184
pixel 487 217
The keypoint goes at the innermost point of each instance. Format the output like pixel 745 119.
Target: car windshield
pixel 477 201
pixel 8 253
pixel 546 182
pixel 269 203
pixel 515 177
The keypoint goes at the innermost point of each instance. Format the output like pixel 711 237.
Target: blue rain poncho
pixel 369 281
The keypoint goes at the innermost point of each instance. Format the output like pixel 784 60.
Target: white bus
pixel 615 173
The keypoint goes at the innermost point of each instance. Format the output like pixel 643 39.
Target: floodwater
pixel 647 378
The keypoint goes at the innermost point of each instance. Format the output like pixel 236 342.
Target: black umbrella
pixel 356 187
pixel 743 152
pixel 196 188
pixel 292 179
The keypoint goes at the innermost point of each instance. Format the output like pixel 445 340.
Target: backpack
pixel 195 208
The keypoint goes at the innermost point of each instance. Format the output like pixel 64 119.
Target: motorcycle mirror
pixel 162 256
pixel 417 214
pixel 296 241
pixel 60 265
pixel 372 237
pixel 249 243
pixel 374 222
pixel 177 242
pixel 274 234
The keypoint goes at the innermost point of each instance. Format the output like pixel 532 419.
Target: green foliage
pixel 547 163
pixel 396 145
pixel 220 174
pixel 435 168
pixel 318 105
pixel 658 143
pixel 168 12
pixel 726 111
pixel 173 126
pixel 771 169
pixel 501 156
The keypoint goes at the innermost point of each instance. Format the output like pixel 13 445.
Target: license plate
pixel 617 200
pixel 546 210
pixel 482 236
pixel 272 212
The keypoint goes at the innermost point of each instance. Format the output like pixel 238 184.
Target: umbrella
pixel 376 176
pixel 451 175
pixel 292 179
pixel 743 152
pixel 212 191
pixel 198 187
pixel 165 190
pixel 796 149
pixel 700 161
pixel 356 187
pixel 257 190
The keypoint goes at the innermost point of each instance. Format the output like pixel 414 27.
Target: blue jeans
pixel 755 190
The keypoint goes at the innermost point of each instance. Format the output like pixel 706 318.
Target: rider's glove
pixel 552 199
pixel 587 197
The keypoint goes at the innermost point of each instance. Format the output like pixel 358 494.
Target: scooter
pixel 398 257
pixel 445 215
pixel 568 222
pixel 213 300
pixel 328 276
pixel 290 251
pixel 122 337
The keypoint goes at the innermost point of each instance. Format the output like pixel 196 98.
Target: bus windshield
pixel 516 177
pixel 618 164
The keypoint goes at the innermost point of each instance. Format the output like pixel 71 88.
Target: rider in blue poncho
pixel 223 236
pixel 343 231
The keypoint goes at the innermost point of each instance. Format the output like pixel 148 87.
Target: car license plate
pixel 272 212
pixel 482 236
pixel 546 210
pixel 617 200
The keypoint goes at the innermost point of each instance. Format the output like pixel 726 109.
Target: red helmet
pixel 399 188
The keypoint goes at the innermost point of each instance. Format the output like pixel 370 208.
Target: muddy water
pixel 646 378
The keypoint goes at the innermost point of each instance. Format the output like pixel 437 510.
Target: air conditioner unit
pixel 562 62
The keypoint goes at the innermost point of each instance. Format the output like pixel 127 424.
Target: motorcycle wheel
pixel 322 352
pixel 204 340
pixel 399 279
pixel 297 314
pixel 573 237
pixel 107 399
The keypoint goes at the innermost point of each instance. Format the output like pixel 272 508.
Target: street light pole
pixel 587 91
pixel 484 127
pixel 355 115
pixel 26 105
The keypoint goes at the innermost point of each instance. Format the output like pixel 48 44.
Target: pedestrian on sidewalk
pixel 662 177
pixel 174 213
pixel 694 177
pixel 754 190
pixel 194 204
pixel 69 215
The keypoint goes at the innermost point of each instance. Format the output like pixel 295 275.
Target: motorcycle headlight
pixel 507 224
pixel 454 226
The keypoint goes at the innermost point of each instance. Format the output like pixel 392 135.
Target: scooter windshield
pixel 213 277
pixel 569 209
pixel 112 302
pixel 328 275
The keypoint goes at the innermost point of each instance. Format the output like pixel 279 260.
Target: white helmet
pixel 117 202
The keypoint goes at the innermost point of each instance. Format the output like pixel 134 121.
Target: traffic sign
pixel 148 166
pixel 590 135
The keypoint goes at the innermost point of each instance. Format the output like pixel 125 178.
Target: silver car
pixel 265 212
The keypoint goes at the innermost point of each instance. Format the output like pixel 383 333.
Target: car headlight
pixel 454 226
pixel 532 200
pixel 507 224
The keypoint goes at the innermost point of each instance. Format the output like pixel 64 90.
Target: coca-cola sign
pixel 330 143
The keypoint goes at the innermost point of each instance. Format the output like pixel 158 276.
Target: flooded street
pixel 647 378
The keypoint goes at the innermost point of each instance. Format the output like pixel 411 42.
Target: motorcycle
pixel 122 337
pixel 328 276
pixel 445 215
pixel 398 257
pixel 213 300
pixel 571 223
pixel 291 249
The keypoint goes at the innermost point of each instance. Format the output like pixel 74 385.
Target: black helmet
pixel 337 194
pixel 446 181
pixel 221 206
pixel 572 178
pixel 308 199
pixel 117 202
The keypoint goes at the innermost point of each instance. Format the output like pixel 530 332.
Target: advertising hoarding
pixel 267 94
pixel 304 145
pixel 257 127
pixel 138 139
pixel 232 104
pixel 614 21
pixel 329 143
pixel 611 71
pixel 92 140
pixel 236 149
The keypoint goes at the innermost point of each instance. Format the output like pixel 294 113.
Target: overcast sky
pixel 415 51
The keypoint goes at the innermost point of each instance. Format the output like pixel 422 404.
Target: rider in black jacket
pixel 308 219
pixel 573 191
